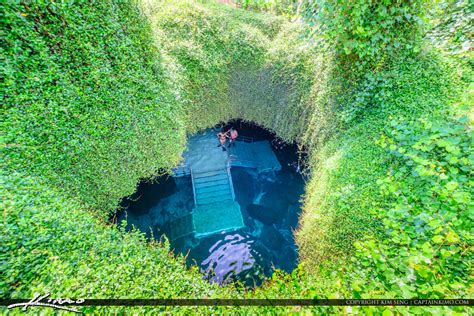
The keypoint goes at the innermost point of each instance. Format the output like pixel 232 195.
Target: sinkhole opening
pixel 231 208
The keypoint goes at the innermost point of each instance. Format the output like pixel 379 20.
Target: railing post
pixel 230 182
pixel 194 189
pixel 245 139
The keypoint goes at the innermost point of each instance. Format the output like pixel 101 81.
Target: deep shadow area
pixel 269 204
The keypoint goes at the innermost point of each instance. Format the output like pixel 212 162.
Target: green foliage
pixel 141 96
pixel 99 95
pixel 453 30
pixel 205 45
pixel 366 31
pixel 95 100
pixel 289 8
pixel 85 102
pixel 414 84
pixel 343 190
pixel 425 251
pixel 91 110
pixel 50 244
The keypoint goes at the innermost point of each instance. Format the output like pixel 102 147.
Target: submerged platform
pixel 202 154
pixel 209 167
pixel 208 220
pixel 217 217
pixel 258 155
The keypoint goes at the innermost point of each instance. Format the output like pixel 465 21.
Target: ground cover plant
pixel 97 96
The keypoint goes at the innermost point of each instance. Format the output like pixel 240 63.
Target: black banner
pixel 242 302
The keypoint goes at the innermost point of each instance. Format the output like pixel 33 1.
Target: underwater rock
pixel 291 219
pixel 272 238
pixel 264 257
pixel 287 259
pixel 264 214
pixel 267 177
pixel 258 197
pixel 276 200
pixel 243 185
pixel 257 227
pixel 250 223
pixel 190 204
pixel 287 234
pixel 294 194
pixel 261 251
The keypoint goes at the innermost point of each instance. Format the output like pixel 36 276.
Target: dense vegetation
pixel 81 92
pixel 99 96
pixel 288 8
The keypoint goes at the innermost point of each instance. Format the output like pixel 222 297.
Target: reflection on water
pixel 270 208
pixel 228 258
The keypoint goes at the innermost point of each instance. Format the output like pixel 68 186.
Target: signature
pixel 43 300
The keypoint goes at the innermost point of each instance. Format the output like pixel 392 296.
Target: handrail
pixel 194 189
pixel 230 182
pixel 182 168
pixel 245 139
pixel 251 162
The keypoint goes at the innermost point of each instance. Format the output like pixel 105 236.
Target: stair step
pixel 211 178
pixel 208 173
pixel 212 188
pixel 211 183
pixel 205 195
pixel 213 199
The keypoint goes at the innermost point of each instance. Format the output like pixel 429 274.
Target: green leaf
pixel 452 237
pixel 452 185
pixel 387 312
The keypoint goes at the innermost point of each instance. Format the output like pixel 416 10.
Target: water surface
pixel 270 205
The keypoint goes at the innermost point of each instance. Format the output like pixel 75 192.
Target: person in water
pixel 233 137
pixel 222 138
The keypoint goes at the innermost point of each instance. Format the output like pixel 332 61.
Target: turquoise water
pixel 270 205
pixel 270 209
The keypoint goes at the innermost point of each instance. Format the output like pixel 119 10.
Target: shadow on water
pixel 270 206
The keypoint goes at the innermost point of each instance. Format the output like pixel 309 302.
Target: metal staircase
pixel 215 209
pixel 212 186
pixel 215 206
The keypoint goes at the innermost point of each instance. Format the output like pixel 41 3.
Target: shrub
pixel 364 32
pixel 99 95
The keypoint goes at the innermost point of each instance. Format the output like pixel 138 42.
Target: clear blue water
pixel 270 205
